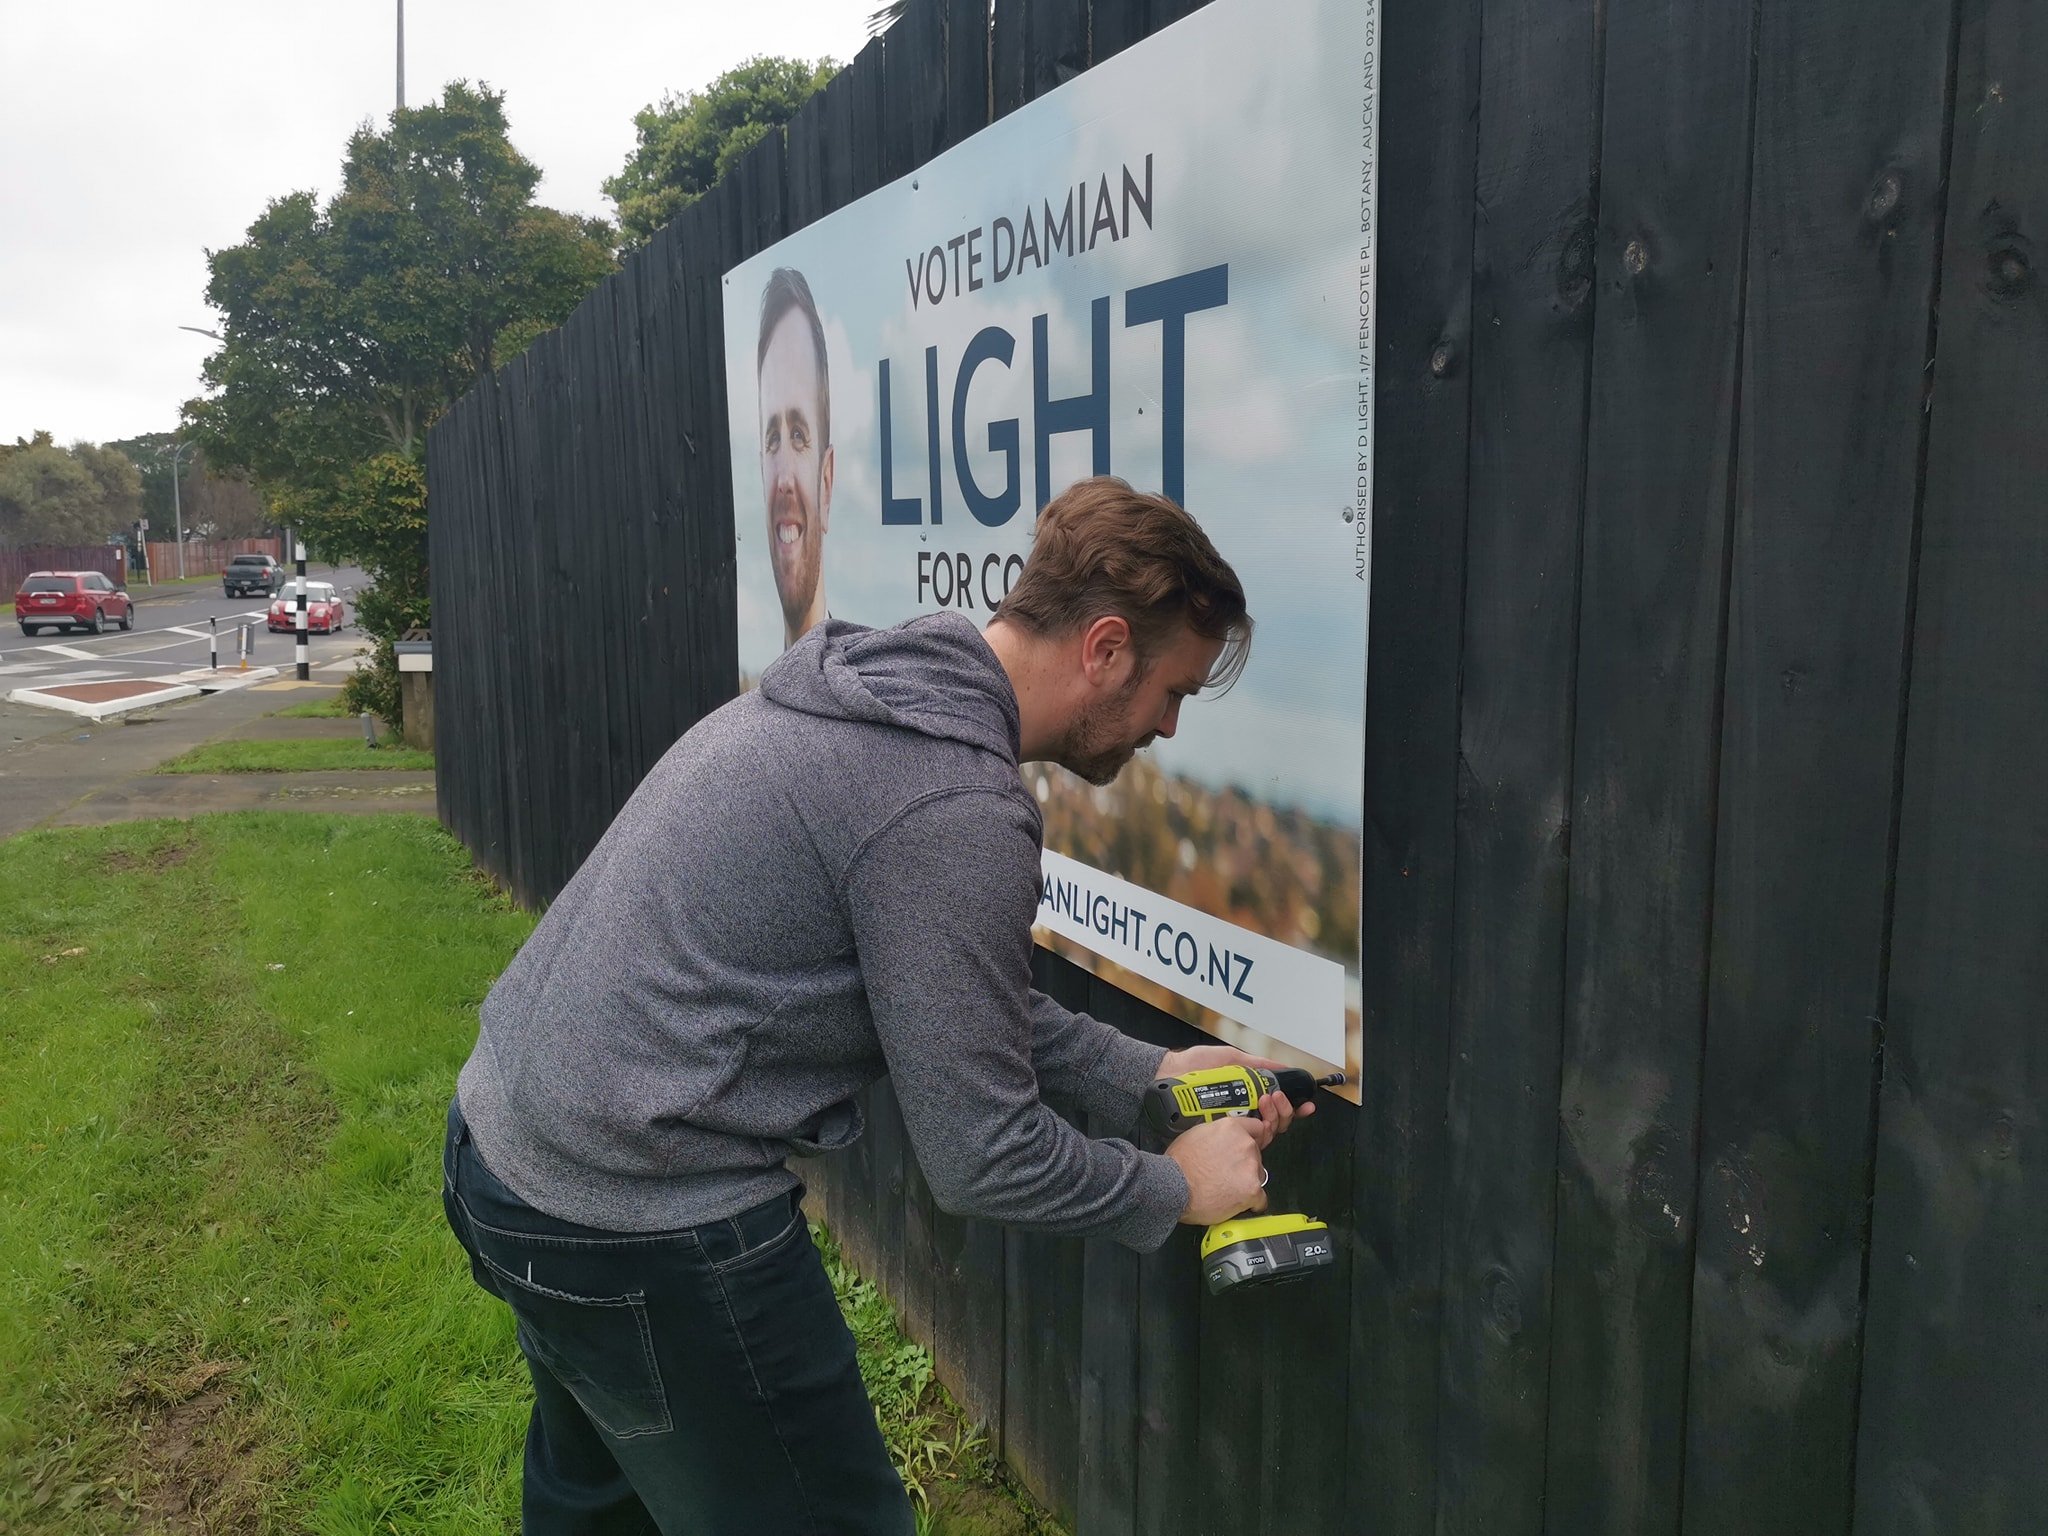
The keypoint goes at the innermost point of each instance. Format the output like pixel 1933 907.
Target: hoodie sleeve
pixel 1095 1062
pixel 942 900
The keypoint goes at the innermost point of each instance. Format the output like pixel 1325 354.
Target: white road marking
pixel 179 629
pixel 71 651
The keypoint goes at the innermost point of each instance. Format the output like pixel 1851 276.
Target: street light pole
pixel 177 507
pixel 177 503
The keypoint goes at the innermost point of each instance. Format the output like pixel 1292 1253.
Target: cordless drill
pixel 1246 1250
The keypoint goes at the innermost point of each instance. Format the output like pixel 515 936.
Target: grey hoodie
pixel 829 879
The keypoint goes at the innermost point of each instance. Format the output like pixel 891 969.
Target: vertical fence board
pixel 1229 1437
pixel 1106 1492
pixel 671 411
pixel 1844 227
pixel 1952 1420
pixel 1305 1378
pixel 486 534
pixel 520 679
pixel 1533 304
pixel 1114 25
pixel 1673 202
pixel 966 25
pixel 1042 1323
pixel 1169 1349
pixel 1428 111
pixel 1008 42
pixel 1055 44
pixel 913 106
pixel 968 1275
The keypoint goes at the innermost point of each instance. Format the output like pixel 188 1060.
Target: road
pixel 170 635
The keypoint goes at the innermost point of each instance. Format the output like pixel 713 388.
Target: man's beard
pixel 796 566
pixel 1095 747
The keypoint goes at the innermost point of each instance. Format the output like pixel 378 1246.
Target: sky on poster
pixel 1250 112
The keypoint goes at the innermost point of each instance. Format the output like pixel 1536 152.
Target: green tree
pixel 348 328
pixel 216 506
pixel 685 144
pixel 119 484
pixel 145 452
pixel 75 495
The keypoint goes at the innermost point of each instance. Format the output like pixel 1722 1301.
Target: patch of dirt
pixel 170 856
pixel 967 1509
pixel 186 1462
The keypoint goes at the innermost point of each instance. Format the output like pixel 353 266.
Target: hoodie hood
pixel 934 674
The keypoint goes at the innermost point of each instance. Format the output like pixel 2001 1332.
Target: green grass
pixel 314 709
pixel 140 588
pixel 293 757
pixel 226 1276
pixel 226 1272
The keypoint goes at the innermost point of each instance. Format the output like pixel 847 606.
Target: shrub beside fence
pixel 1698 1179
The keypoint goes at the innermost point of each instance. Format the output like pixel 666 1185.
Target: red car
pixel 325 611
pixel 71 600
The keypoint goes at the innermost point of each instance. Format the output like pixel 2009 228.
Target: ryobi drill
pixel 1246 1250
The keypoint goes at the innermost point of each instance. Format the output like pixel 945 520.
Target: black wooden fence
pixel 1698 1182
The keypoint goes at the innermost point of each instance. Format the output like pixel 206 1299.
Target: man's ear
pixel 1106 650
pixel 825 467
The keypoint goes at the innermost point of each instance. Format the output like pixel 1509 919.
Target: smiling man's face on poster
pixel 796 447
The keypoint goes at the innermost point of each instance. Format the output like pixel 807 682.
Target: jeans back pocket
pixel 599 1347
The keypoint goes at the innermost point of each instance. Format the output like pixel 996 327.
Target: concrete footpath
pixel 66 772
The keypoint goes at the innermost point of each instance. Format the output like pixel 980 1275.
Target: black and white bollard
pixel 305 663
pixel 213 644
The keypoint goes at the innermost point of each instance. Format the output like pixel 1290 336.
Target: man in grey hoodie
pixel 830 879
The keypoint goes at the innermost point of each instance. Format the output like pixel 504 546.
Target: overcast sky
pixel 135 137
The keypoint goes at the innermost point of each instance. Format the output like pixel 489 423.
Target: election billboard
pixel 1162 270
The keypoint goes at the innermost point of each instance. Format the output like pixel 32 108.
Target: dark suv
pixel 252 573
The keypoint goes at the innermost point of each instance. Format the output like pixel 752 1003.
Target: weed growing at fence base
pixel 230 1299
pixel 296 757
pixel 957 1485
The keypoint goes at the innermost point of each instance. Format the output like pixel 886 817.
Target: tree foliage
pixel 216 505
pixel 348 328
pixel 378 518
pixel 687 142
pixel 75 495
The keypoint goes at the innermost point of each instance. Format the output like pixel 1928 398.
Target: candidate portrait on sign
pixel 795 440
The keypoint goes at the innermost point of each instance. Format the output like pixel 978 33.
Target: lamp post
pixel 174 454
pixel 177 509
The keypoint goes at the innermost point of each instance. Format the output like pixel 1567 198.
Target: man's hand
pixel 1221 1163
pixel 1276 1108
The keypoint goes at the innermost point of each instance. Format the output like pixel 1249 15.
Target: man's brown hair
pixel 1102 548
pixel 785 293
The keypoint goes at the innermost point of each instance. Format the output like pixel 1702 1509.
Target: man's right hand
pixel 1222 1165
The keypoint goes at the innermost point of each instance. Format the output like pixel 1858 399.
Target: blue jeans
pixel 699 1380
